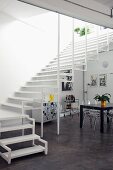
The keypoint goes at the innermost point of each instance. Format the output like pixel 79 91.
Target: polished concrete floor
pixel 73 149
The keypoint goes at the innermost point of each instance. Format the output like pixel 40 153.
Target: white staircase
pixel 45 82
pixel 10 154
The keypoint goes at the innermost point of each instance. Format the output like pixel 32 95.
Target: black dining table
pixel 108 107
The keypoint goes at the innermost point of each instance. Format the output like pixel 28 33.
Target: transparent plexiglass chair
pixel 92 115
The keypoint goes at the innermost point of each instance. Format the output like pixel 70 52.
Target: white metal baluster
pixel 58 78
pixel 43 99
pixel 108 39
pixel 42 118
pixel 22 117
pixel 0 128
pixel 33 131
pixel 85 47
pixel 97 32
pixel 73 50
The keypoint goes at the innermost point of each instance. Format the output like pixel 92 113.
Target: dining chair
pixel 92 115
pixel 110 115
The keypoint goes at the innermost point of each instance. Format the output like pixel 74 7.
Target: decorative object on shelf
pixel 103 99
pixel 103 80
pixel 51 97
pixel 69 99
pixel 93 80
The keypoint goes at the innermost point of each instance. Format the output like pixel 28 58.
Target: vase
pixel 103 103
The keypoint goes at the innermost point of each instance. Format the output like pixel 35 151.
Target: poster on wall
pixel 103 80
pixel 67 86
pixel 93 80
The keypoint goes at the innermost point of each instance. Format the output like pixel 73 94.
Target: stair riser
pixel 50 72
pixel 68 52
pixel 42 83
pixel 47 73
pixel 45 78
pixel 10 108
pixel 15 109
pixel 28 95
pixel 37 89
pixel 32 89
pixel 18 101
pixel 80 60
pixel 79 48
pixel 14 122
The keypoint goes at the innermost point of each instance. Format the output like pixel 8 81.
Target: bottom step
pixel 24 152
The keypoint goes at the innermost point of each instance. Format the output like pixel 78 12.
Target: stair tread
pixel 50 75
pixel 43 80
pixel 25 151
pixel 19 139
pixel 18 127
pixel 48 86
pixel 23 98
pixel 27 92
pixel 33 81
pixel 16 105
pixel 43 71
pixel 6 115
pixel 19 106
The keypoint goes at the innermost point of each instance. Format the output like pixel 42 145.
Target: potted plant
pixel 103 98
pixel 81 31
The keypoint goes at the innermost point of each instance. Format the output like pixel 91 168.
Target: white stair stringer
pixel 10 154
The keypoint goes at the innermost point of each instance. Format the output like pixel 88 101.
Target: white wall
pixel 24 51
pixel 96 67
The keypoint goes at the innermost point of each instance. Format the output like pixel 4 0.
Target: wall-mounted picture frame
pixel 103 80
pixel 67 86
pixel 93 80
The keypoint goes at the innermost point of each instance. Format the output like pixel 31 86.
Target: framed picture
pixel 93 80
pixel 103 80
pixel 67 86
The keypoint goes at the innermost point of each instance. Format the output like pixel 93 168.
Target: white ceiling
pixel 108 3
pixel 19 10
pixel 94 11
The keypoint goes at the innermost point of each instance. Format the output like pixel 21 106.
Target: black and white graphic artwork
pixel 102 80
pixel 93 80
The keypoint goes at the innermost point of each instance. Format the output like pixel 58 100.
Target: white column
pixel 85 45
pixel 107 39
pixel 97 32
pixel 58 78
pixel 73 50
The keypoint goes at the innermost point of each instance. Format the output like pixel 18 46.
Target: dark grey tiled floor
pixel 73 149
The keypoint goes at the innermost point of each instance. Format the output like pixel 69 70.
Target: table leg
pixel 81 116
pixel 101 121
pixel 107 117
